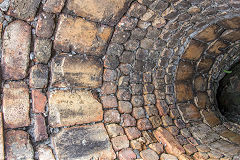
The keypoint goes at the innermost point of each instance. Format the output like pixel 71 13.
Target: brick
pixel 189 112
pixel 23 9
pixel 54 6
pixel 16 48
pixel 232 23
pixel 210 118
pixel 172 145
pixel 216 47
pixel 69 108
pixel 42 50
pixel 185 71
pixel 167 121
pixel 184 92
pixel 111 116
pixel 149 137
pixel 38 77
pixel 128 120
pixel 18 145
pixel 1 138
pixel 89 141
pixel 109 13
pixel 114 130
pixel 231 35
pixel 132 133
pixel 200 83
pixel 76 71
pixel 120 142
pixel 209 34
pixel 45 25
pixel 39 101
pixel 149 154
pixel 144 124
pixel 109 101
pixel 126 154
pixel 200 156
pixel 45 152
pixel 155 121
pixel 185 157
pixel 138 112
pixel 165 156
pixel 151 110
pixel 162 107
pixel 137 101
pixel 81 36
pixel 194 50
pixel 109 75
pixel 124 107
pixel 190 149
pixel 157 147
pixel 16 105
pixel 205 64
pixel 123 95
pixel 108 88
pixel 40 129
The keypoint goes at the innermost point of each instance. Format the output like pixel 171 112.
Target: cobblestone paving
pixel 116 79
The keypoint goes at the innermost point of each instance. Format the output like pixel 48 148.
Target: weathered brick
pixel 76 71
pixel 209 34
pixel 89 141
pixel 109 101
pixel 69 108
pixel 16 105
pixel 16 48
pixel 45 25
pixel 185 71
pixel 81 36
pixel 232 23
pixel 194 50
pixel 42 50
pixel 114 130
pixel 184 92
pixel 40 129
pixel 126 154
pixel 45 152
pixel 38 77
pixel 189 112
pixel 172 145
pixel 109 13
pixel 111 116
pixel 39 100
pixel 120 142
pixel 1 138
pixel 18 145
pixel 149 154
pixel 132 133
pixel 54 6
pixel 23 9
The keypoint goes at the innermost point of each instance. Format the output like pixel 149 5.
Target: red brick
pixel 39 100
pixel 16 105
pixel 108 88
pixel 16 48
pixel 18 145
pixel 126 154
pixel 109 101
pixel 120 142
pixel 128 120
pixel 144 124
pixel 132 133
pixel 40 129
pixel 138 112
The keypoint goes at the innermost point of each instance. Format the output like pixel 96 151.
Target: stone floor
pixel 116 79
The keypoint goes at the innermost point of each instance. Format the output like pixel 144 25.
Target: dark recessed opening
pixel 228 94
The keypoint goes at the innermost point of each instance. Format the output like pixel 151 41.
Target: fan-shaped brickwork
pixel 126 79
